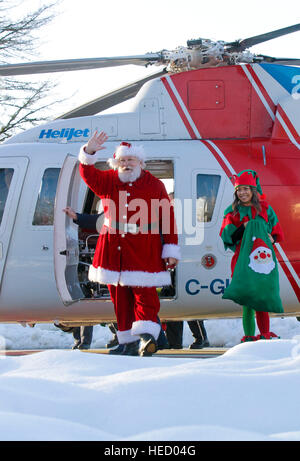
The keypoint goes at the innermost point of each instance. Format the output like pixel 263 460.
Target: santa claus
pixel 261 259
pixel 134 248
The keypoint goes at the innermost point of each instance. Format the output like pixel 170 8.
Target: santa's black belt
pixel 132 228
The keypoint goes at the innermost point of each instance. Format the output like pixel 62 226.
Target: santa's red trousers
pixel 134 303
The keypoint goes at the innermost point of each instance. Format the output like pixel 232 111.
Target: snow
pixel 250 393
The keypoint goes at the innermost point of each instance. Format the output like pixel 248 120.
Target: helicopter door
pixel 12 174
pixel 66 249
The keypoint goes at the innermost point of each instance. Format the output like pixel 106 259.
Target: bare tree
pixel 22 102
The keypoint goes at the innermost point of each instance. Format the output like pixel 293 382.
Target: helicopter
pixel 214 109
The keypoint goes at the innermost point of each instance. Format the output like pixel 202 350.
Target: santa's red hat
pixel 258 243
pixel 126 149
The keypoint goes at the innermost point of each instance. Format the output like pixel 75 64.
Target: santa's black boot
pixel 118 350
pixel 148 345
pixel 131 348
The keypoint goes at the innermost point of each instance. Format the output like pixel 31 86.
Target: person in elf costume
pixel 250 227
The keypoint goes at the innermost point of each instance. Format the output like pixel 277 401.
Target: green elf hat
pixel 247 178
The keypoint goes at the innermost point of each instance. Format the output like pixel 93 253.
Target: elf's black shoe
pixel 131 348
pixel 148 345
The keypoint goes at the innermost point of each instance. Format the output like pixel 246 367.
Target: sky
pixel 101 29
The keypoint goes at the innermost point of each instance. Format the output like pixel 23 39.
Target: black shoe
pixel 199 344
pixel 148 345
pixel 131 348
pixel 76 346
pixel 83 346
pixel 163 347
pixel 118 350
pixel 112 343
pixel 162 342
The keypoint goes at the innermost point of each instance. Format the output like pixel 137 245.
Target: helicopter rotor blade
pixel 111 99
pixel 65 65
pixel 241 45
pixel 263 58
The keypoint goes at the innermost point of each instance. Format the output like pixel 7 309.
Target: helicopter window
pixel 44 210
pixel 207 192
pixel 6 175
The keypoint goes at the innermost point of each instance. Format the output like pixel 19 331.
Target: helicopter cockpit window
pixel 207 192
pixel 44 210
pixel 6 175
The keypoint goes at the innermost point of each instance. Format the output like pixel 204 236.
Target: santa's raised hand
pixel 96 142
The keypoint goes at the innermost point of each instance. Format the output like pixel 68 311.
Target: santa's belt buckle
pixel 131 228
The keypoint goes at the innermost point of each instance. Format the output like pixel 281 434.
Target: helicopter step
pixel 207 352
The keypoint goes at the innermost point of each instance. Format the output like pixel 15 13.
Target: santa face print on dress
pixel 261 258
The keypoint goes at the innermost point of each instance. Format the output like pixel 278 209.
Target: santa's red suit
pixel 139 231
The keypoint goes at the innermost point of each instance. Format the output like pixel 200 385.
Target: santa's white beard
pixel 261 266
pixel 130 175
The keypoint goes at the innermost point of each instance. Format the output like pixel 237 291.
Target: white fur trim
pixel 145 279
pixel 123 151
pixel 146 326
pixel 100 275
pixel 125 337
pixel 86 159
pixel 129 278
pixel 133 151
pixel 170 250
